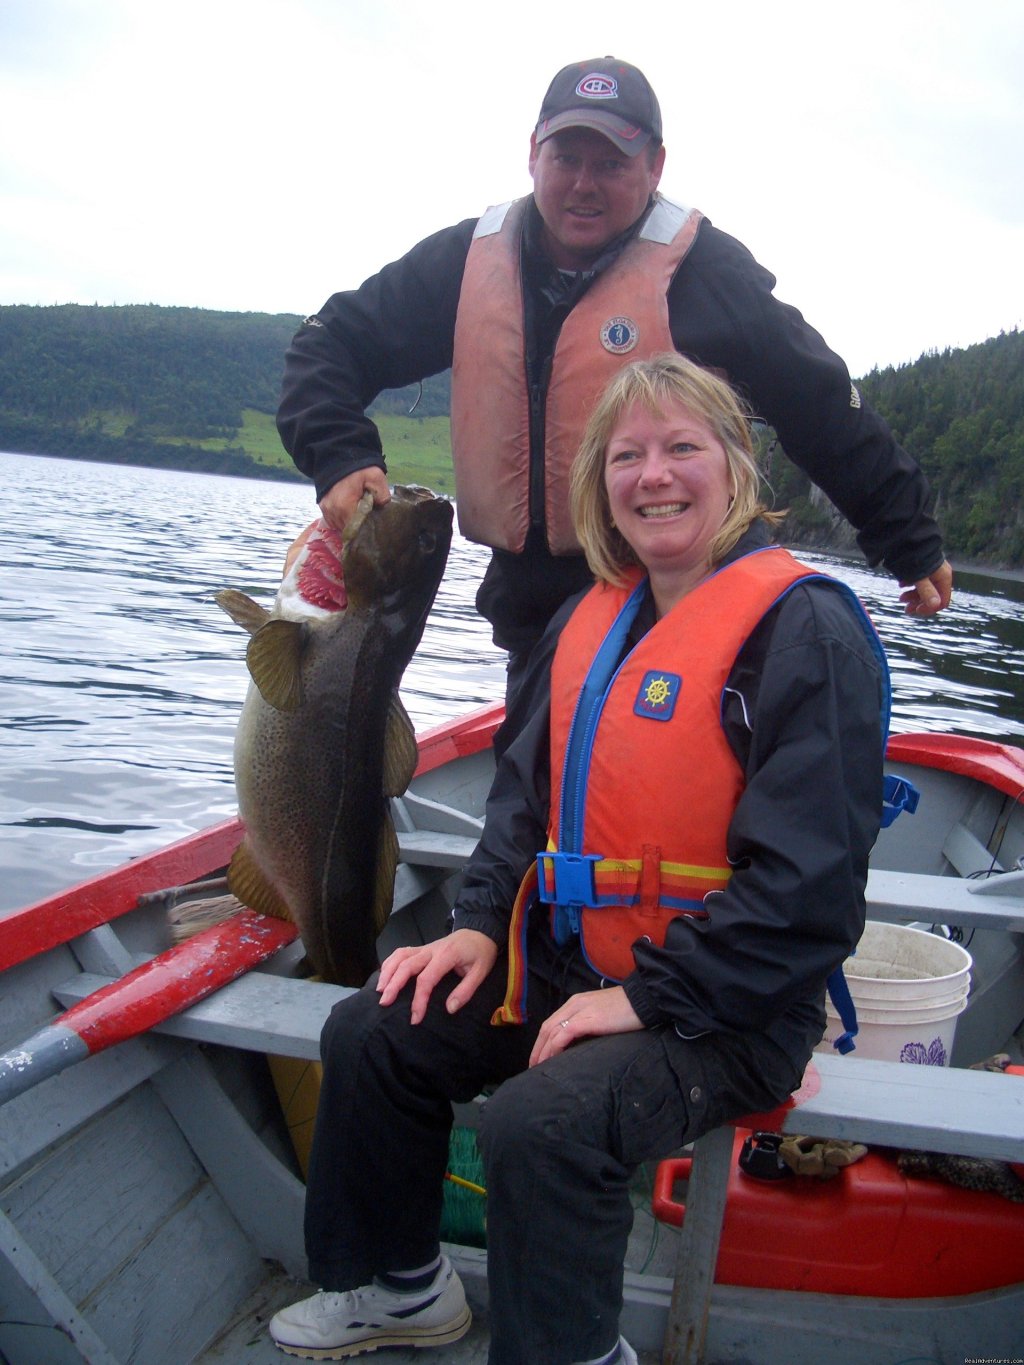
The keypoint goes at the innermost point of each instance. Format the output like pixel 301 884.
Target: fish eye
pixel 427 540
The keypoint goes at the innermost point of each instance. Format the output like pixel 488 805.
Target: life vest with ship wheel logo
pixel 643 781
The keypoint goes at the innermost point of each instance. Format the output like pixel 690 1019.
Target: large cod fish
pixel 323 738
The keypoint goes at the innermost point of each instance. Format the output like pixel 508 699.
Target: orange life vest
pixel 622 317
pixel 643 781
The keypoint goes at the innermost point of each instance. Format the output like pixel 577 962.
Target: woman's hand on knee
pixel 588 1014
pixel 468 953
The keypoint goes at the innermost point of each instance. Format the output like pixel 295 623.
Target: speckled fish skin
pixel 323 740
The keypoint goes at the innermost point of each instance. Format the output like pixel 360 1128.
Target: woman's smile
pixel 668 509
pixel 669 489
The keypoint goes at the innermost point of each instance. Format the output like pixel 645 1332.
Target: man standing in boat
pixel 534 306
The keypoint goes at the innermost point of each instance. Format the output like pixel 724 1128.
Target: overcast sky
pixel 257 155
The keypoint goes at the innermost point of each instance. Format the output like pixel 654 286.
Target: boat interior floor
pixel 653 1249
pixel 247 1337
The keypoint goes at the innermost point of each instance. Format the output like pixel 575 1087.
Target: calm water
pixel 121 680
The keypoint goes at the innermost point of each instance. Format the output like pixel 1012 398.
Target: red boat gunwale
pixel 997 765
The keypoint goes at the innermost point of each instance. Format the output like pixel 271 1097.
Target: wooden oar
pixel 147 996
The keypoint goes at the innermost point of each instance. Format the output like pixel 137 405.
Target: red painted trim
pixel 997 765
pixel 47 923
pixel 459 738
pixel 176 979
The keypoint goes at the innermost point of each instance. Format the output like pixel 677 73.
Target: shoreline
pixel 1011 575
pixel 283 475
pixel 959 566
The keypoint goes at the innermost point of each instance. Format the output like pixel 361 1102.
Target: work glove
pixel 999 1061
pixel 820 1157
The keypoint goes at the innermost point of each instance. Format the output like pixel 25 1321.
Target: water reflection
pixel 121 679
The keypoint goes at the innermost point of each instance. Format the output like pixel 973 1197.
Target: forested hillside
pixel 138 385
pixel 181 387
pixel 960 413
pixel 196 389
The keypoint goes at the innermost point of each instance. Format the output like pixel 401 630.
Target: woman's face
pixel 669 488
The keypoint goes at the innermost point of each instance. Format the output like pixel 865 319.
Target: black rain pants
pixel 560 1144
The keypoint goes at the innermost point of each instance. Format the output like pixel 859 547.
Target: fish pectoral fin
pixel 274 657
pixel 401 753
pixel 387 865
pixel 242 610
pixel 247 881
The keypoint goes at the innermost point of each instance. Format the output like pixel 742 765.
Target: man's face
pixel 588 192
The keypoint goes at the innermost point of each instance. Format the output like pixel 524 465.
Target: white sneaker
pixel 330 1326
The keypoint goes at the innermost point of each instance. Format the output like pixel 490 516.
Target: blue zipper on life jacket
pixel 573 872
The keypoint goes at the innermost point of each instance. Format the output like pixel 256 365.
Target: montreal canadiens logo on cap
pixel 598 87
pixel 619 335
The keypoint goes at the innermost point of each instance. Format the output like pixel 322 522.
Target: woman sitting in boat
pixel 707 778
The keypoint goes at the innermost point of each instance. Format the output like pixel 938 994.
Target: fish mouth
pixel 664 509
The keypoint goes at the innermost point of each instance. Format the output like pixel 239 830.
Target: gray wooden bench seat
pixel 983 903
pixel 263 1012
pixel 259 1012
pixel 429 848
pixel 930 1108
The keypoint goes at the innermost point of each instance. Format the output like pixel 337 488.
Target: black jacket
pixel 803 714
pixel 399 327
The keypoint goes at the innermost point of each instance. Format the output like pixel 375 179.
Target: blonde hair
pixel 657 384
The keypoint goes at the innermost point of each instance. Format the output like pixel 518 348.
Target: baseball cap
pixel 607 95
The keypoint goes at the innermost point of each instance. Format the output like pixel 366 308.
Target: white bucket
pixel 908 987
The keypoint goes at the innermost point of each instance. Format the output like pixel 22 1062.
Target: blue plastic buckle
pixel 573 878
pixel 572 888
pixel 898 795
